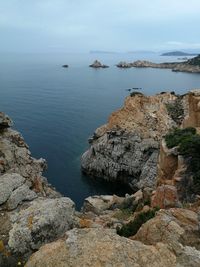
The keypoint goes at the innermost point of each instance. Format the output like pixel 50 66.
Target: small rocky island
pixel 191 65
pixel 152 144
pixel 65 66
pixel 97 64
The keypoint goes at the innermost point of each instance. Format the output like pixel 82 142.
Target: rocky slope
pixel 191 65
pixel 39 227
pixel 32 213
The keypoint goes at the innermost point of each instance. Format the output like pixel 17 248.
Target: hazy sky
pixel 112 25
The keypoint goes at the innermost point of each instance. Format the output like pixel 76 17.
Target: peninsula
pixel 191 65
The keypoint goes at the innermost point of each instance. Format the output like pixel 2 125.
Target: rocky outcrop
pixel 5 121
pixel 40 223
pixel 97 64
pixel 100 247
pixel 32 212
pixel 191 65
pixel 123 64
pixel 126 148
pixel 172 166
pixel 179 229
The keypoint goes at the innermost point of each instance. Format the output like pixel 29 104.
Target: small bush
pixel 132 227
pixel 175 110
pixel 188 143
pixel 178 136
pixel 135 93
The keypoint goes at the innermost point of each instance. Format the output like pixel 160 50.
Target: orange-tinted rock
pixel 166 196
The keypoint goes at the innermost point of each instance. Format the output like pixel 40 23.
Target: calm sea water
pixel 57 109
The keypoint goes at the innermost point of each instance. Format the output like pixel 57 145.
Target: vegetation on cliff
pixel 188 143
pixel 194 61
pixel 175 110
pixel 132 227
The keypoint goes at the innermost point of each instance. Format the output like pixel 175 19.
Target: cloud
pixel 110 24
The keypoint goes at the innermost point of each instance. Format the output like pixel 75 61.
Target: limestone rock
pixel 5 121
pixel 97 204
pixel 176 227
pixel 126 148
pixel 100 248
pixel 165 196
pixel 9 182
pixel 42 222
pixel 19 195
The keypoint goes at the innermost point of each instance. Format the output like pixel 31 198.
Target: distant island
pixel 178 54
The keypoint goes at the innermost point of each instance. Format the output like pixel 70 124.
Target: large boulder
pixel 100 248
pixel 42 222
pixel 179 229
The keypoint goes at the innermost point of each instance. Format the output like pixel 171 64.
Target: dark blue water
pixel 57 109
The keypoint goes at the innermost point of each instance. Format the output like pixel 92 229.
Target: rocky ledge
pixel 191 65
pixel 97 64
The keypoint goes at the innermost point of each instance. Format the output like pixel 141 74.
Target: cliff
pixel 32 212
pixel 40 228
pixel 126 148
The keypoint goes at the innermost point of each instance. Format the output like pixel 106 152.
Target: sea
pixel 57 109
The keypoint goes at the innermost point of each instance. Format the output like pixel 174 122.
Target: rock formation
pixel 191 65
pixel 97 64
pixel 126 148
pixel 101 247
pixel 32 212
pixel 36 222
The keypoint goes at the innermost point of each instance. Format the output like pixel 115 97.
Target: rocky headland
pixel 191 65
pixel 157 226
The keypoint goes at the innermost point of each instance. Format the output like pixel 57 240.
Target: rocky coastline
pixel 191 65
pixel 156 226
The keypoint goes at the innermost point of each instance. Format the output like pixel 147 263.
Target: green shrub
pixel 175 110
pixel 132 227
pixel 188 143
pixel 132 94
pixel 178 136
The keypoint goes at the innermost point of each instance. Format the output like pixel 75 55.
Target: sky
pixel 108 25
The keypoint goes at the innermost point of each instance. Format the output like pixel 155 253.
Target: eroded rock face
pixel 166 196
pixel 5 121
pixel 43 221
pixel 31 211
pixel 100 248
pixel 126 148
pixel 178 228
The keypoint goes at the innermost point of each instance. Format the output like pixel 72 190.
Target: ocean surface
pixel 57 109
